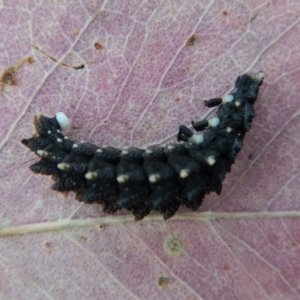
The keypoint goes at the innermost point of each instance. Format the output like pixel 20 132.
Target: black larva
pixel 156 178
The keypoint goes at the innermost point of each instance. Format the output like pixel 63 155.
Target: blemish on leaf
pixel 98 46
pixel 101 227
pixel 293 242
pixel 177 99
pixel 47 245
pixel 8 76
pixel 29 60
pixel 173 245
pixel 250 156
pixel 163 282
pixel 79 67
pixel 225 12
pixel 191 41
pixel 226 268
pixel 75 32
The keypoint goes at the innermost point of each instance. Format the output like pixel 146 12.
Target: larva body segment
pixel 158 178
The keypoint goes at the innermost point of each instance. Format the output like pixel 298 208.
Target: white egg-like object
pixel 62 120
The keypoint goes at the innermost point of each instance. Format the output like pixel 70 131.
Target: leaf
pixel 147 68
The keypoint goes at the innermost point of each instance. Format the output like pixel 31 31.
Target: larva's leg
pixel 213 102
pixel 201 125
pixel 184 133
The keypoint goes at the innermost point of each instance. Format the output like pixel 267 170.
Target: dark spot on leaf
pixel 101 227
pixel 225 12
pixel 75 32
pixel 47 245
pixel 163 282
pixel 191 41
pixel 29 60
pixel 250 156
pixel 177 99
pixel 8 77
pixel 226 268
pixel 98 46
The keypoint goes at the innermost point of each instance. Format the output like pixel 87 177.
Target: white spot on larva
pixel 62 120
pixel 149 151
pixel 228 129
pixel 227 98
pixel 57 130
pixel 256 76
pixel 59 140
pixel 182 142
pixel 213 122
pixel 49 131
pixel 82 142
pixel 211 160
pixel 63 166
pixel 99 150
pixel 124 152
pixel 75 146
pixel 237 103
pixel 42 153
pixel 122 178
pixel 91 175
pixel 170 147
pixel 197 138
pixel 154 178
pixel 66 138
pixel 184 173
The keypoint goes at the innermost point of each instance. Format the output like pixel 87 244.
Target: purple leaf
pixel 147 68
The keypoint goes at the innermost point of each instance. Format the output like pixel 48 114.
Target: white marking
pixel 227 98
pixel 57 130
pixel 99 150
pixel 104 146
pixel 91 175
pixel 42 153
pixel 211 160
pixel 124 152
pixel 66 138
pixel 63 166
pixel 62 120
pixel 122 178
pixel 49 132
pixel 184 173
pixel 170 147
pixel 213 122
pixel 154 178
pixel 237 103
pixel 256 76
pixel 82 142
pixel 149 151
pixel 228 129
pixel 59 140
pixel 75 146
pixel 197 138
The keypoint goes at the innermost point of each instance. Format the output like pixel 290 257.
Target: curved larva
pixel 156 178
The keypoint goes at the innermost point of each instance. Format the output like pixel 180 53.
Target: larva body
pixel 157 178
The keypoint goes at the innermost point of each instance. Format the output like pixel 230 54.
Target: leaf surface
pixel 148 66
